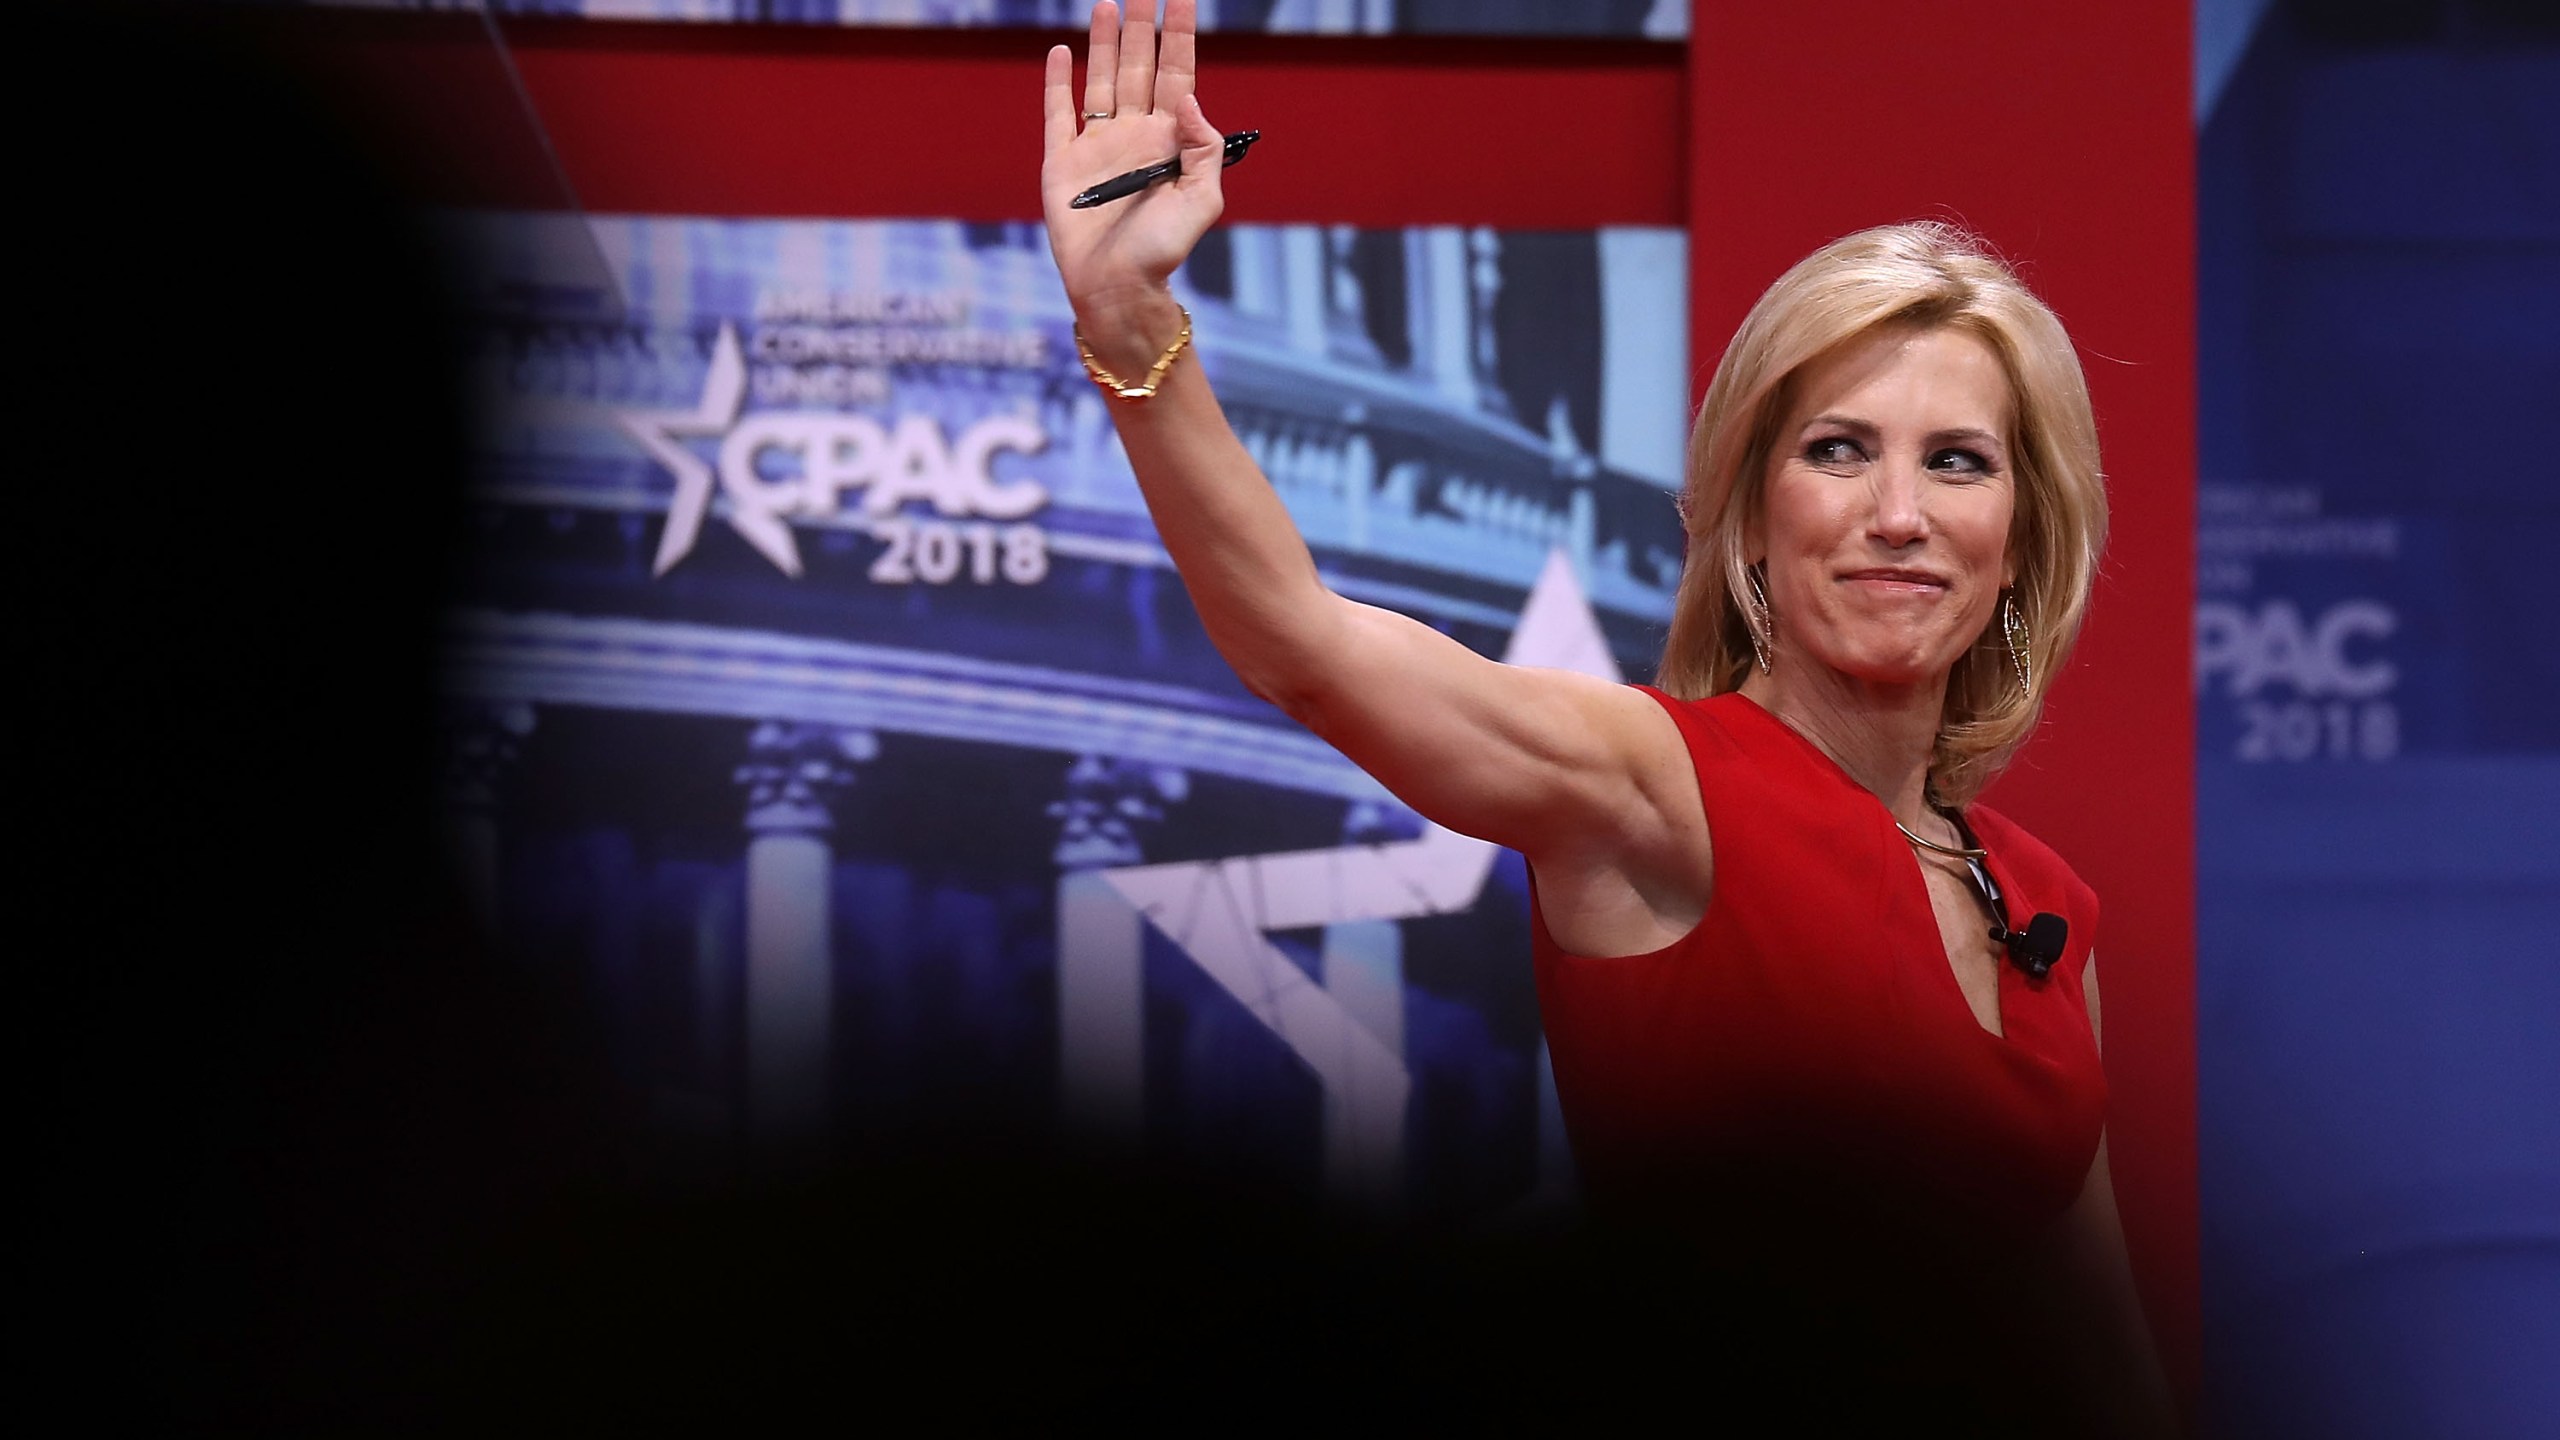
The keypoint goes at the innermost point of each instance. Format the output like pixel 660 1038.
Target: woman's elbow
pixel 1294 666
pixel 1296 691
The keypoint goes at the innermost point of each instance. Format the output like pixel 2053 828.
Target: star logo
pixel 663 434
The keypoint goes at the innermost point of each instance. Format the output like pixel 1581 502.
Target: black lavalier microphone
pixel 2035 949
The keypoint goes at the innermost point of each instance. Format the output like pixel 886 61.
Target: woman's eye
pixel 1834 450
pixel 1960 462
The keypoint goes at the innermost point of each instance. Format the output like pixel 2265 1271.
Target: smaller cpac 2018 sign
pixel 2341 684
pixel 778 465
pixel 2277 645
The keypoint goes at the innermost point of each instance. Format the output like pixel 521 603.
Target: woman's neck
pixel 1881 735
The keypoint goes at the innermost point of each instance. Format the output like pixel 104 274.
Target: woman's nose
pixel 1898 518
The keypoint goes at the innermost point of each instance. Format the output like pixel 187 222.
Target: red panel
pixel 2061 133
pixel 757 120
pixel 427 96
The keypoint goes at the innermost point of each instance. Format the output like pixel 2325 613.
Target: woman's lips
pixel 1912 582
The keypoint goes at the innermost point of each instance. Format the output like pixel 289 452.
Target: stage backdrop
pixel 822 689
pixel 1719 136
pixel 2378 725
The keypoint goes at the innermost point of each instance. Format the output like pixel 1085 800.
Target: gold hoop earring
pixel 1762 627
pixel 2013 625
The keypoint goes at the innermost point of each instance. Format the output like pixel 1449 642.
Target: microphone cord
pixel 2034 961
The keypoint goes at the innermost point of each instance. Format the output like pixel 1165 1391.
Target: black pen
pixel 1121 187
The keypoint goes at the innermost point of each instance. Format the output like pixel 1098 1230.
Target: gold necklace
pixel 1961 852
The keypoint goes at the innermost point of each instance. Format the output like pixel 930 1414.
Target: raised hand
pixel 1138 109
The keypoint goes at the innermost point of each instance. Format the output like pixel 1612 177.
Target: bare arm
pixel 2114 1355
pixel 1567 769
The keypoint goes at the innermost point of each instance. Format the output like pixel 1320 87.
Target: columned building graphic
pixel 819 686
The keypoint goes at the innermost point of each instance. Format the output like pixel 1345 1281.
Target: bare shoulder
pixel 1584 776
pixel 1672 818
pixel 1642 879
pixel 1621 739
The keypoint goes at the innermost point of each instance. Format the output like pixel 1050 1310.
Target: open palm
pixel 1144 84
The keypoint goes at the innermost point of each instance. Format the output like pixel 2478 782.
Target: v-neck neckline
pixel 1917 872
pixel 1947 959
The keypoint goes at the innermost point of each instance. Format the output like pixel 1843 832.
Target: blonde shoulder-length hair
pixel 1925 276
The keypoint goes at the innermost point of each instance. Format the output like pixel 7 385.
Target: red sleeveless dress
pixel 1804 1052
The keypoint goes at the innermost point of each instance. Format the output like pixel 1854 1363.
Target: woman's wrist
pixel 1128 329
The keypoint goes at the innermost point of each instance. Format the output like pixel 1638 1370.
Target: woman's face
pixel 1889 492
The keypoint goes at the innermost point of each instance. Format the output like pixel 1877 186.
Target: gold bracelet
pixel 1120 389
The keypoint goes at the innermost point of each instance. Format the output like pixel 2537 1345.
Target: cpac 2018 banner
pixel 822 689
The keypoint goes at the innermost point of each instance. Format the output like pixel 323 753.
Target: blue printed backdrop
pixel 820 687
pixel 2378 720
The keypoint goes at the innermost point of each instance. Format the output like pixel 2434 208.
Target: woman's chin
pixel 1893 671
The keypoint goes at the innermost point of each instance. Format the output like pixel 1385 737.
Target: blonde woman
pixel 1786 966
